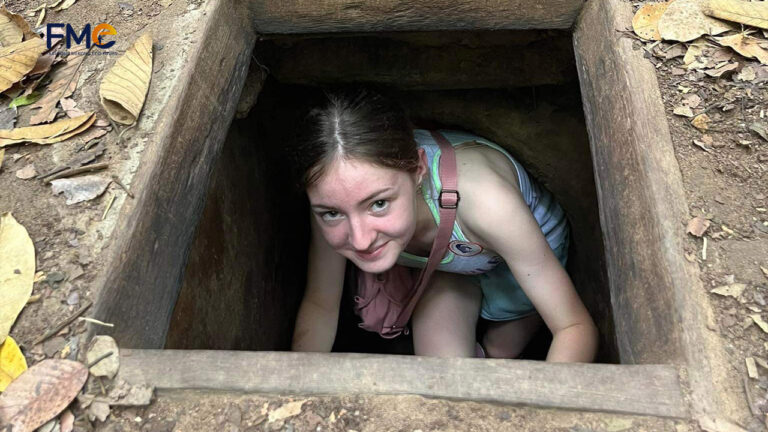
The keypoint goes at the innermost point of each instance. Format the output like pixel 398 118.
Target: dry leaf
pixel 17 60
pixel 765 271
pixel 733 290
pixel 684 20
pixel 759 129
pixel 66 4
pixel 49 133
pixel 12 362
pixel 69 108
pixel 79 189
pixel 288 410
pixel 124 88
pixel 17 268
pixel 98 410
pixel 746 74
pixel 754 14
pixel 40 18
pixel 747 46
pixel 701 122
pixel 692 100
pixel 63 84
pixel 27 172
pixel 646 20
pixel 684 111
pixel 751 367
pixel 100 345
pixel 694 50
pixel 759 321
pixel 67 421
pixel 41 393
pixel 2 155
pixel 13 28
pixel 697 226
pixel 719 424
pixel 731 67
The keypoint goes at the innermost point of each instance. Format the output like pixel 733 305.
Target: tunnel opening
pixel 245 272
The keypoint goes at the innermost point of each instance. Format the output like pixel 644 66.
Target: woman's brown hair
pixel 359 124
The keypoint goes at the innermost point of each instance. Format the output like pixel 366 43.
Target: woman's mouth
pixel 369 256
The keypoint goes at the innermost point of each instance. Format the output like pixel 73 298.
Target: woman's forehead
pixel 351 180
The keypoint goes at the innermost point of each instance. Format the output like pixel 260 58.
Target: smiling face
pixel 366 212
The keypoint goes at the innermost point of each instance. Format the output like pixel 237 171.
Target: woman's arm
pixel 500 218
pixel 319 311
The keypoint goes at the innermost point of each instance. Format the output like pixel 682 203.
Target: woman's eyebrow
pixel 363 201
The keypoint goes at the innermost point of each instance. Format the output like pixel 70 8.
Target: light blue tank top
pixel 463 256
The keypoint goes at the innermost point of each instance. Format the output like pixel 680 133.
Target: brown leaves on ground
pixel 63 84
pixel 41 393
pixel 124 88
pixel 745 45
pixel 684 20
pixel 17 60
pixel 646 20
pixel 17 270
pixel 749 13
pixel 698 226
pixel 13 28
pixel 49 133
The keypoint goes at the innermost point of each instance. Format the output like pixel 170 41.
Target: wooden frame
pixel 634 160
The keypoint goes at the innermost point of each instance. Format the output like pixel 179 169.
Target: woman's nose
pixel 361 235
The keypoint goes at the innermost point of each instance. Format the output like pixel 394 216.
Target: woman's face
pixel 366 212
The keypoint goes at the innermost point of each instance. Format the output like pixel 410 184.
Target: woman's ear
pixel 422 169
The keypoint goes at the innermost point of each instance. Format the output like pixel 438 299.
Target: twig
pixel 750 401
pixel 704 249
pixel 95 321
pixel 120 135
pixel 57 328
pixel 74 171
pixel 119 183
pixel 109 206
pixel 100 358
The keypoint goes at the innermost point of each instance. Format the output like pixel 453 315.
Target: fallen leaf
pixel 63 84
pixel 717 72
pixel 676 50
pixel 17 60
pixel 66 4
pixel 124 88
pixel 79 189
pixel 718 424
pixel 27 172
pixel 100 345
pixel 40 18
pixel 17 268
pixel 733 290
pixel 41 393
pixel 760 129
pixel 67 421
pixel 684 20
pixel 12 362
pixel 684 111
pixel 754 14
pixel 751 368
pixel 765 271
pixel 51 426
pixel 98 410
pixel 8 117
pixel 2 156
pixel 746 74
pixel 695 49
pixel 692 100
pixel 747 46
pixel 47 134
pixel 763 364
pixel 702 146
pixel 646 20
pixel 288 410
pixel 701 122
pixel 760 323
pixel 69 108
pixel 25 99
pixel 13 28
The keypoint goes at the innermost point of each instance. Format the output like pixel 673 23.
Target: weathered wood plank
pixel 656 295
pixel 636 389
pixel 139 288
pixel 331 16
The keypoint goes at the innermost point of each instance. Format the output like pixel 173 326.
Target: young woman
pixel 372 183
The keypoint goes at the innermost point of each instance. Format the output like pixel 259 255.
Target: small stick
pixel 75 171
pixel 57 328
pixel 100 358
pixel 120 136
pixel 119 183
pixel 95 321
pixel 750 401
pixel 704 250
pixel 109 206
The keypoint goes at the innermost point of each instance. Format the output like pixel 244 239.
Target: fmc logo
pixel 69 35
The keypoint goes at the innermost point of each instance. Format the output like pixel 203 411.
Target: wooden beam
pixel 639 389
pixel 153 234
pixel 335 16
pixel 424 61
pixel 657 296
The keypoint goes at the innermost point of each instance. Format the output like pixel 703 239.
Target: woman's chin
pixel 376 266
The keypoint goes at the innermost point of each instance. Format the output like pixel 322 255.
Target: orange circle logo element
pixel 100 30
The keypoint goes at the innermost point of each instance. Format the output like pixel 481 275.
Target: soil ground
pixel 727 184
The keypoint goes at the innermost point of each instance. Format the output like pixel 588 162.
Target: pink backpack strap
pixel 448 201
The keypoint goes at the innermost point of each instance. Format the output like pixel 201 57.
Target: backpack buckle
pixel 451 202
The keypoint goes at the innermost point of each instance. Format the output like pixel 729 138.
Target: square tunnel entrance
pixel 246 269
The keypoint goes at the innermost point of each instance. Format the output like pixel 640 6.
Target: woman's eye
pixel 380 205
pixel 331 216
